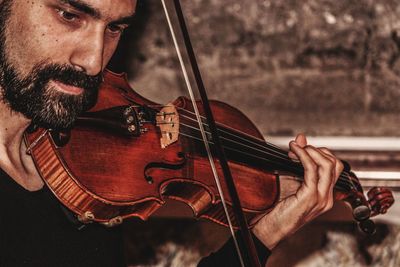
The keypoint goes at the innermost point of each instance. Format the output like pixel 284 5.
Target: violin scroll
pixel 380 199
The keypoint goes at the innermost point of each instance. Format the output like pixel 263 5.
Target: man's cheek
pixel 109 49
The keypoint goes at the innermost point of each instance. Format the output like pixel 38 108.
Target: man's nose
pixel 88 53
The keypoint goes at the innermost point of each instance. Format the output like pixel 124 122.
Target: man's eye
pixel 68 16
pixel 115 29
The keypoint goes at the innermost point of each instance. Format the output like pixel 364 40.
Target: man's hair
pixel 5 10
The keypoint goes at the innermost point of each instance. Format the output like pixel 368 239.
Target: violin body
pixel 104 174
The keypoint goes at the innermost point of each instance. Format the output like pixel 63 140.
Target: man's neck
pixel 12 126
pixel 13 157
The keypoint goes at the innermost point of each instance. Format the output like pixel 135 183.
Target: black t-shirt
pixel 36 231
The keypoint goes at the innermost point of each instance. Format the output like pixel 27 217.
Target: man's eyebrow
pixel 124 20
pixel 83 7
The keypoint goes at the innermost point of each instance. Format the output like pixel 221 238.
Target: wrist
pixel 269 233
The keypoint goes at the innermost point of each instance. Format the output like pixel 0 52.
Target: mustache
pixel 65 74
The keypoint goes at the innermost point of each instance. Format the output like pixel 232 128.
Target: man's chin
pixel 60 120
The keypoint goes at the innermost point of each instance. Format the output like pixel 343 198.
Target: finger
pixel 293 156
pixel 336 173
pixel 310 168
pixel 326 176
pixel 301 140
pixel 338 163
pixel 316 192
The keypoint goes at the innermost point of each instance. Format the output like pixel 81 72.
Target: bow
pixel 247 245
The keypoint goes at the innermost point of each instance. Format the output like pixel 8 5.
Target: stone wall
pixel 320 67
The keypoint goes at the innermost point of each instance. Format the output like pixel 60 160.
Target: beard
pixel 34 97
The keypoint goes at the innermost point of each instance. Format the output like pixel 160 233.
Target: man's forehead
pixel 104 9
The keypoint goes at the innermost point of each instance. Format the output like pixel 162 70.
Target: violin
pixel 128 155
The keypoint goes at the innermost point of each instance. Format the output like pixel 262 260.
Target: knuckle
pixel 324 208
pixel 327 164
pixel 329 205
pixel 320 209
pixel 340 165
pixel 311 166
pixel 327 208
pixel 325 150
pixel 327 201
pixel 309 148
pixel 330 164
pixel 312 202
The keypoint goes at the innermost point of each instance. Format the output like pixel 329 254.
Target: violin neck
pixel 246 149
pixel 258 153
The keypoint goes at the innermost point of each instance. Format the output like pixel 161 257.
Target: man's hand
pixel 314 197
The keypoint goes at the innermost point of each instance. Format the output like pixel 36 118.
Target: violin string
pixel 341 185
pixel 269 147
pixel 240 151
pixel 258 142
pixel 200 123
pixel 286 163
pixel 229 140
pixel 222 126
pixel 286 160
pixel 263 144
pixel 283 155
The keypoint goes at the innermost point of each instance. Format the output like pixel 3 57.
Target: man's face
pixel 52 53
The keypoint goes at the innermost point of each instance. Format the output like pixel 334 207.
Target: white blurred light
pixel 329 18
pixel 344 143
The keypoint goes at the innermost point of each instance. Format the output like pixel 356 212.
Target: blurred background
pixel 330 69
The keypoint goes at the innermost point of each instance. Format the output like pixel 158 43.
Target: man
pixel 52 54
